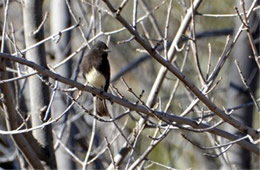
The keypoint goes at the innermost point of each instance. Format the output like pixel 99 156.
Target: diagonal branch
pixel 227 118
pixel 138 108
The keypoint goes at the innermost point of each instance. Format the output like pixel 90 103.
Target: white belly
pixel 95 79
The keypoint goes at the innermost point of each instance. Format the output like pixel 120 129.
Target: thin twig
pixel 246 85
pixel 93 132
pixel 41 24
pixel 4 25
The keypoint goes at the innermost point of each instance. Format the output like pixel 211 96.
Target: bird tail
pixel 102 107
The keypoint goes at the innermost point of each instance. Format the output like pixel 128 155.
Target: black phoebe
pixel 96 71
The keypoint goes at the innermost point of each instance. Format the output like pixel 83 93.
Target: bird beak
pixel 107 50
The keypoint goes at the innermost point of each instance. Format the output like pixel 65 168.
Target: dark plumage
pixel 96 71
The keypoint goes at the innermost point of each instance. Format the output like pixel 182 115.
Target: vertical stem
pixel 92 133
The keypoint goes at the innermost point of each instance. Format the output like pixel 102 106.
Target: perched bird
pixel 96 71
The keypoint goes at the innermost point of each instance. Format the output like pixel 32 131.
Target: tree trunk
pixel 237 93
pixel 60 19
pixel 39 93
